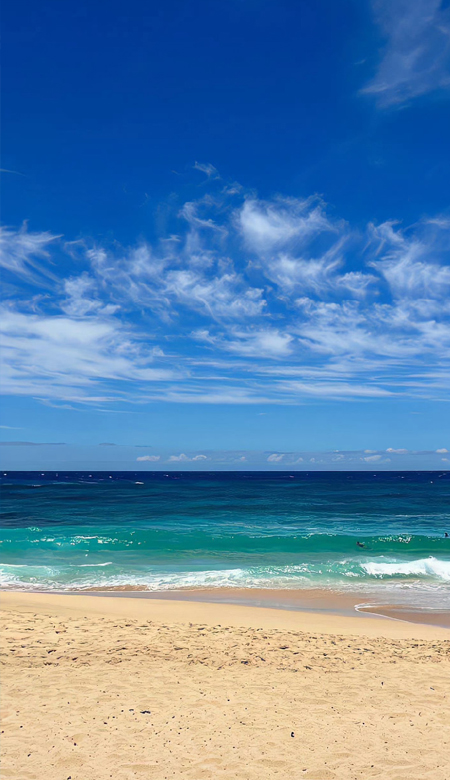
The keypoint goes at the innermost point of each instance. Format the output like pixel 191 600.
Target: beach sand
pixel 97 687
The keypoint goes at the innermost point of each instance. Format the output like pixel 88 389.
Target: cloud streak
pixel 415 59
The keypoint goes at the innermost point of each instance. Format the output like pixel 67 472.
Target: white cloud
pixel 192 212
pixel 349 328
pixel 150 458
pixel 265 225
pixel 408 260
pixel 319 276
pixel 66 358
pixel 207 168
pixel 264 343
pixel 324 389
pixel 22 253
pixel 188 273
pixel 397 452
pixel 275 457
pixel 416 56
pixel 185 458
pixel 219 296
pixel 376 459
pixel 300 248
pixel 264 302
pixel 442 450
pixel 82 298
pixel 197 393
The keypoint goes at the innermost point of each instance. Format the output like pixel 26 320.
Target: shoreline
pixel 315 601
pixel 330 602
pixel 191 611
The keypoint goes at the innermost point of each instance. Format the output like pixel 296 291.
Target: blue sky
pixel 226 229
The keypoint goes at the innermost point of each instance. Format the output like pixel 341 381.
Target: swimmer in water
pixel 446 535
pixel 360 544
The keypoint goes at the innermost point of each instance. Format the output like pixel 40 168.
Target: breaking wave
pixel 339 574
pixel 424 567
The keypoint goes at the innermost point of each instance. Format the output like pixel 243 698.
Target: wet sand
pixel 306 599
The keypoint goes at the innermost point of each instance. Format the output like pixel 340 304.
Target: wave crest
pixel 424 567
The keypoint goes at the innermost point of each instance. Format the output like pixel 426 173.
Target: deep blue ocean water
pixel 78 530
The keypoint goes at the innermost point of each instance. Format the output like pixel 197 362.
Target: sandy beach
pixel 96 688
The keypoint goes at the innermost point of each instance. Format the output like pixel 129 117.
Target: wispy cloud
pixel 414 263
pixel 244 301
pixel 415 58
pixel 149 458
pixel 285 222
pixel 207 168
pixel 24 254
pixel 7 170
pixel 63 358
pixel 269 343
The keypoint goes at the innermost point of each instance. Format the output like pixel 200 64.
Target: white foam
pixel 423 567
pixel 425 573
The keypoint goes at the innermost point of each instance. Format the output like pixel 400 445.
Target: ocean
pixel 380 534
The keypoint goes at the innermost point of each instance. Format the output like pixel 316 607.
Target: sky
pixel 225 234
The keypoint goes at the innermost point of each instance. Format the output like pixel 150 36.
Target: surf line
pixel 364 609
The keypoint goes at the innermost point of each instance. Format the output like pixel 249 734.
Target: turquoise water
pixel 283 530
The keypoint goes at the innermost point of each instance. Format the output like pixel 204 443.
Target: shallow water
pixel 234 530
